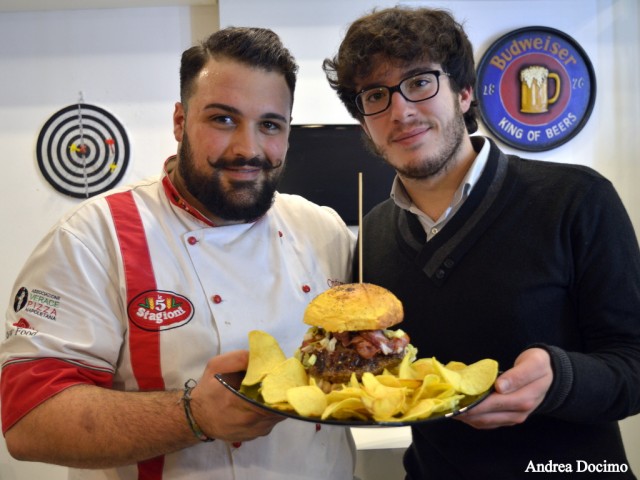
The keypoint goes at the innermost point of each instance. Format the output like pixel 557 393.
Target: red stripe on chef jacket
pixel 144 346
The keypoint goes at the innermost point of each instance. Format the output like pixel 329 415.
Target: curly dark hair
pixel 255 47
pixel 402 36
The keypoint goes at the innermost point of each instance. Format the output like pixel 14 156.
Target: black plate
pixel 232 381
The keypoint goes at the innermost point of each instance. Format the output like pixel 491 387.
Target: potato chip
pixel 383 408
pixel 288 374
pixel 264 355
pixel 421 410
pixel 409 383
pixel 453 365
pixel 432 386
pixel 344 393
pixel 391 380
pixel 471 379
pixel 423 367
pixel 347 408
pixel 282 406
pixel 452 377
pixel 347 414
pixel 353 381
pixel 478 377
pixel 404 369
pixel 383 402
pixel 308 400
pixel 447 404
pixel 416 369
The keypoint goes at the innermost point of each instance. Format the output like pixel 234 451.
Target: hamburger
pixel 350 333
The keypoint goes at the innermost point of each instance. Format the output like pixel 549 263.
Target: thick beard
pixel 453 133
pixel 243 201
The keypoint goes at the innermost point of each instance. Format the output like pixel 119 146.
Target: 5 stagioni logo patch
pixel 535 88
pixel 156 310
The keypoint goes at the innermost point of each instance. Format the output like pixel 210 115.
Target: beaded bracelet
pixel 186 400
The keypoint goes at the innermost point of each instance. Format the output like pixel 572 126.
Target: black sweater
pixel 539 254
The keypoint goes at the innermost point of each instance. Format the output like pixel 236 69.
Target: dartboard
pixel 82 150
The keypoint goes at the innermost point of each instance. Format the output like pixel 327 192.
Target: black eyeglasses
pixel 415 88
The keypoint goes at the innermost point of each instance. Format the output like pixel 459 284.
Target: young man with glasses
pixel 531 263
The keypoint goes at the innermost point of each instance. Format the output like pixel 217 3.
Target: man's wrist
pixel 186 402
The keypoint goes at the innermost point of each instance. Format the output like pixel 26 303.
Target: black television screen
pixel 323 163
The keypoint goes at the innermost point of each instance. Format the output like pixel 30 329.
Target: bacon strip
pixel 368 343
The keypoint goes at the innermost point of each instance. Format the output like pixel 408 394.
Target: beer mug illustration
pixel 534 96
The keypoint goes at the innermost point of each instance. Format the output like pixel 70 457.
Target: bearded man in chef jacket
pixel 157 285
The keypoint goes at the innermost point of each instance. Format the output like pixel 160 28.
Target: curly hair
pixel 402 36
pixel 255 47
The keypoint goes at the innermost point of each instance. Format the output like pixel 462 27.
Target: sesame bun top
pixel 354 306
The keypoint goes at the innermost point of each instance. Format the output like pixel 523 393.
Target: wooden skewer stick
pixel 360 227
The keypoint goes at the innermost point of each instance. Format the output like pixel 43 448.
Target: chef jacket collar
pixel 175 197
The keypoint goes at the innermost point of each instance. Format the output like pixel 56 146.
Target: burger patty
pixel 337 366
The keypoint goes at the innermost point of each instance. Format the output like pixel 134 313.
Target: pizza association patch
pixel 37 302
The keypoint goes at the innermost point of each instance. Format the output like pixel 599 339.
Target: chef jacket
pixel 135 290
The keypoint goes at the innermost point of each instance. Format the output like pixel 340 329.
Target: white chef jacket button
pixel 216 299
pixel 306 288
pixel 236 444
pixel 192 240
pixel 280 234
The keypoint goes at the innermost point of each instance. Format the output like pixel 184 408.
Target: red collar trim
pixel 178 200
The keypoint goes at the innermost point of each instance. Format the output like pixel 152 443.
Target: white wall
pixel 126 60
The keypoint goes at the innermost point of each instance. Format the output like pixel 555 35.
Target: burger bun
pixel 354 306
